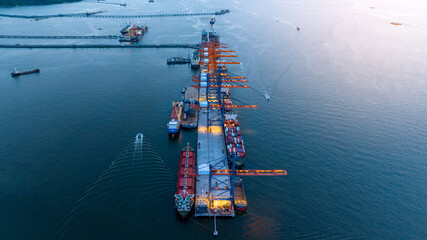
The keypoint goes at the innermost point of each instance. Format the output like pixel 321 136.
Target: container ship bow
pixel 184 195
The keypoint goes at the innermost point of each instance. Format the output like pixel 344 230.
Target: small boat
pixel 184 195
pixel 17 73
pixel 240 203
pixel 139 137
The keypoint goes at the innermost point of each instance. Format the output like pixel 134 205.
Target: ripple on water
pixel 136 184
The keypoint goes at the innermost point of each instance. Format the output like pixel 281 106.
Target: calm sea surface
pixel 347 119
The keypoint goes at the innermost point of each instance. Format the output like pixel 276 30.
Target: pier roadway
pixel 95 15
pixel 60 37
pixel 195 46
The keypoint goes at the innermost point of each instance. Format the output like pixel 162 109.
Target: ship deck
pixel 239 194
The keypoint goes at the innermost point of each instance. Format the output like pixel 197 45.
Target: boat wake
pixel 135 185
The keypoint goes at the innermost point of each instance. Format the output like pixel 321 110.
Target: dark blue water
pixel 347 119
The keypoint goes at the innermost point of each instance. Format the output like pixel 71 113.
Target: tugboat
pixel 17 73
pixel 178 60
pixel 184 195
pixel 174 121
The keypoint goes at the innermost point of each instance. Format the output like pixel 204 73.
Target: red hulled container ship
pixel 184 195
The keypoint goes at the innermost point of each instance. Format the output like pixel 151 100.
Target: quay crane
pixel 217 175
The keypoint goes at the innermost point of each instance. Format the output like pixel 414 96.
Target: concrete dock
pixel 98 46
pixel 211 151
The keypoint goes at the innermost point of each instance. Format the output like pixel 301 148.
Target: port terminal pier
pixel 194 46
pixel 95 15
pixel 216 169
pixel 60 37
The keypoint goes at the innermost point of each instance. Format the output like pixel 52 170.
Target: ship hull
pixel 173 130
pixel 240 208
pixel 183 213
pixel 16 74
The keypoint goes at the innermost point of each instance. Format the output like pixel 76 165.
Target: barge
pixel 17 73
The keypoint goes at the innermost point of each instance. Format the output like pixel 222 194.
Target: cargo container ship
pixel 233 139
pixel 132 33
pixel 184 195
pixel 175 119
pixel 17 73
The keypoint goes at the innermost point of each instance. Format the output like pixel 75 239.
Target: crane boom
pixel 229 172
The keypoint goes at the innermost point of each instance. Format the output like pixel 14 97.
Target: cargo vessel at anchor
pixel 17 73
pixel 184 195
pixel 175 119
pixel 240 203
pixel 132 33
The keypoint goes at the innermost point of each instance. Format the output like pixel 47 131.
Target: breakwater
pixel 194 46
pixel 59 37
pixel 94 15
